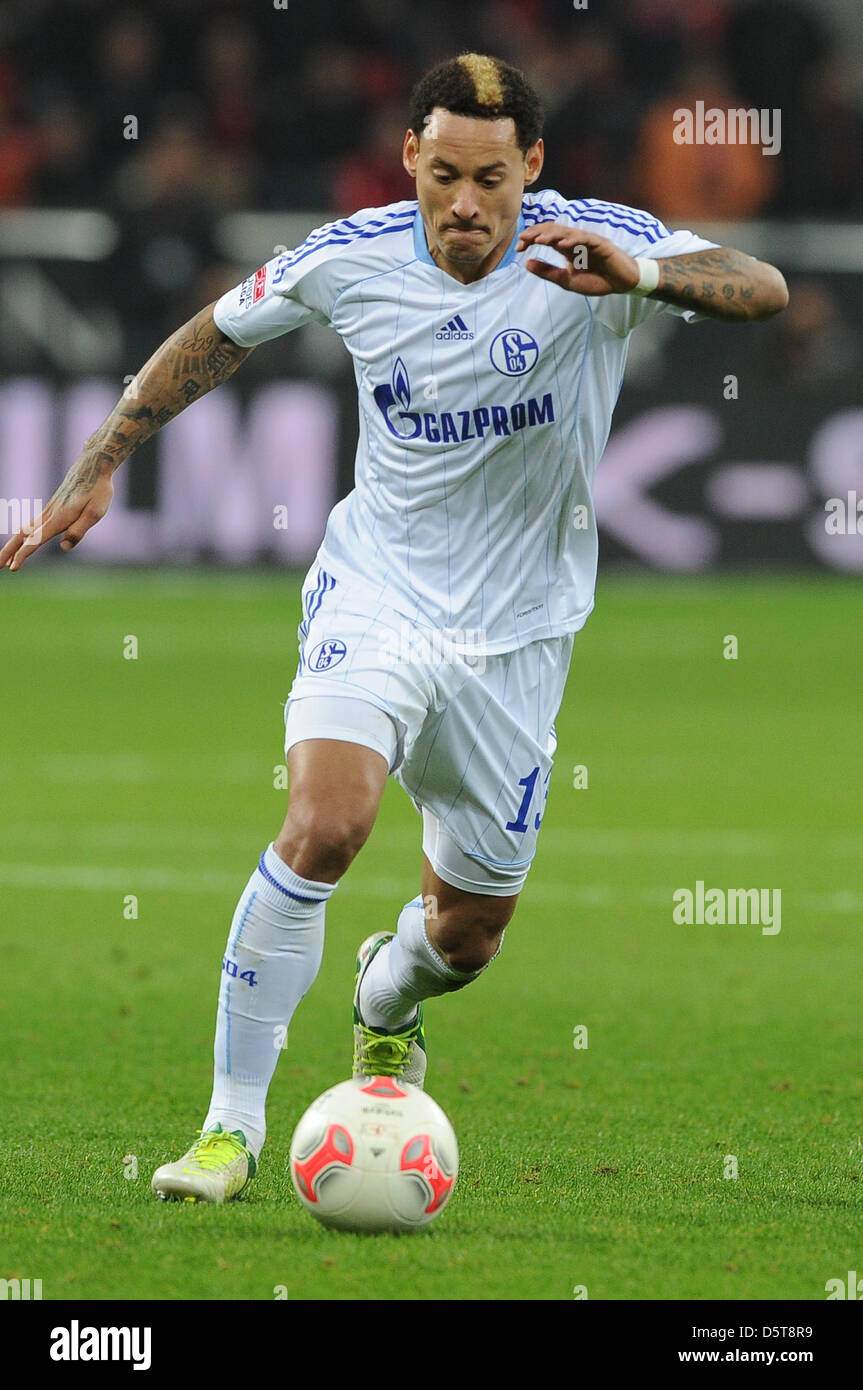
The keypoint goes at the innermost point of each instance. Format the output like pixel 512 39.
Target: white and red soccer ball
pixel 374 1154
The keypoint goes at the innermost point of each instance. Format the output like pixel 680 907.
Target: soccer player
pixel 488 328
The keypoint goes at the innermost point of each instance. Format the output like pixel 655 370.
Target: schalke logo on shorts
pixel 513 352
pixel 327 654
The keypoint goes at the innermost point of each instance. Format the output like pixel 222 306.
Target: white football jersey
pixel 483 412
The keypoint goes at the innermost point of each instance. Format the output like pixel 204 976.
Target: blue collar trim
pixel 423 253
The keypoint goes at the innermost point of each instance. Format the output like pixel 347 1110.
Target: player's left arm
pixel 719 282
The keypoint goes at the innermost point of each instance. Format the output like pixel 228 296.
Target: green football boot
pixel 382 1051
pixel 217 1167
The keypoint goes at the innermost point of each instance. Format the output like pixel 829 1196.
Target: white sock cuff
pixel 280 887
pixel 439 963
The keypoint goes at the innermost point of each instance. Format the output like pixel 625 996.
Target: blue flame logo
pixel 401 384
pixel 404 423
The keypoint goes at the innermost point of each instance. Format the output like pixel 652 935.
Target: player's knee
pixel 473 954
pixel 319 841
pixel 469 937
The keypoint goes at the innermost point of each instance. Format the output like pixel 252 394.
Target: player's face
pixel 470 177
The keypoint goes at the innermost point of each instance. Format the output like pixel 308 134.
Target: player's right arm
pixel 190 363
pixel 296 287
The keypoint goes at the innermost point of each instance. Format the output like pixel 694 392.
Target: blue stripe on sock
pixel 242 922
pixel 262 868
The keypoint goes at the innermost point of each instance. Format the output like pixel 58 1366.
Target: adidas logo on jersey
pixel 456 328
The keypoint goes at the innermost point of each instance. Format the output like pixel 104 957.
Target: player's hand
pixel 80 501
pixel 609 270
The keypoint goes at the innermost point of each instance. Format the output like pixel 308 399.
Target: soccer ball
pixel 374 1154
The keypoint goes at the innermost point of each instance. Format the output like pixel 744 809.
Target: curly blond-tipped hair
pixel 475 84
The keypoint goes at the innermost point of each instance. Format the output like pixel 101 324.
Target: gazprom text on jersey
pixel 460 425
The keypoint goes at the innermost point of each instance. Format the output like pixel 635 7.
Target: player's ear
pixel 533 162
pixel 410 153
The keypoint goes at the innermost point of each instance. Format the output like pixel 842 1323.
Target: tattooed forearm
pixel 187 365
pixel 82 477
pixel 723 284
pixel 201 343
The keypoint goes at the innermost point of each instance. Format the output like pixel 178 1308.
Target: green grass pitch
pixel 599 1167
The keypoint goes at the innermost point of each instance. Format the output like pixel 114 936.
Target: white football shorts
pixel 469 736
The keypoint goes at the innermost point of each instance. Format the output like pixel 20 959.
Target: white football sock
pixel 405 971
pixel 273 955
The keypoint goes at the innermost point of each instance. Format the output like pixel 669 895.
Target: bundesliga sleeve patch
pixel 253 289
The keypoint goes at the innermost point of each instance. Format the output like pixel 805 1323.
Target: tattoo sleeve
pixel 723 284
pixel 187 365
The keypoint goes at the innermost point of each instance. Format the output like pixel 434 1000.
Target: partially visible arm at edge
pixel 194 360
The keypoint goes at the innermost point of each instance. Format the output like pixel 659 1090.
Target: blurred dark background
pixel 244 104
pixel 150 156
